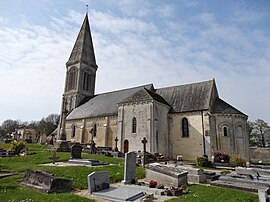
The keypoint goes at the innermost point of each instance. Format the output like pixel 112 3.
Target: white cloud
pixel 131 51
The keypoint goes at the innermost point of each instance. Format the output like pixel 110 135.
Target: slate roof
pixel 224 108
pixel 83 50
pixel 188 97
pixel 144 95
pixel 104 104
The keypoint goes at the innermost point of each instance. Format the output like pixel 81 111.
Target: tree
pixel 48 125
pixel 9 126
pixel 258 131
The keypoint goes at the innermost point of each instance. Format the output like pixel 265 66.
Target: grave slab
pixel 46 182
pixel 120 194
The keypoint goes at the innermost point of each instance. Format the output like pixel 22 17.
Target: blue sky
pixel 136 42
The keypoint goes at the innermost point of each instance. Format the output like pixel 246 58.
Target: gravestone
pixel 130 168
pixel 62 146
pixel 166 175
pixel 46 182
pixel 263 194
pixel 144 158
pixel 76 151
pixel 98 181
pixel 116 148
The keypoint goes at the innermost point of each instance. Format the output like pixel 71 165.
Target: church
pixel 190 120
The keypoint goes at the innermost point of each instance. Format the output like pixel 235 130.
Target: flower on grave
pixel 152 183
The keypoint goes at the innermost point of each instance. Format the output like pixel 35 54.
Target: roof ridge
pixel 207 81
pixel 142 86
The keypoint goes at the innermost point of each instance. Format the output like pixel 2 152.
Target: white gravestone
pixel 98 181
pixel 130 168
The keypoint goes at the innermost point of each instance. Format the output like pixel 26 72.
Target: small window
pixel 134 125
pixel 225 131
pixel 95 130
pixel 73 130
pixel 185 130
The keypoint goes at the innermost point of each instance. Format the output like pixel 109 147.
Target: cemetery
pixel 75 174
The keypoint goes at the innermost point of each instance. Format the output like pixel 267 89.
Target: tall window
pixel 86 79
pixel 72 79
pixel 185 130
pixel 134 125
pixel 225 131
pixel 73 130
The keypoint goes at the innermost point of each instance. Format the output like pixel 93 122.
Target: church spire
pixel 83 50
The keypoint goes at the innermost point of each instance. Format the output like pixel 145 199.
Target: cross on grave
pixel 54 157
pixel 116 140
pixel 144 141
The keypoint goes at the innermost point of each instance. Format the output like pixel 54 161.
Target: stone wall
pixel 189 147
pixel 257 154
pixel 105 134
pixel 236 141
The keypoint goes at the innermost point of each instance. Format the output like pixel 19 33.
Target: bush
pixel 16 147
pixel 204 162
pixel 221 157
pixel 238 161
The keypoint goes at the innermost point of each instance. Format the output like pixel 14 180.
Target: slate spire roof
pixel 83 50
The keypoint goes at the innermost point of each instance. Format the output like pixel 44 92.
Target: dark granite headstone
pixel 76 151
pixel 46 182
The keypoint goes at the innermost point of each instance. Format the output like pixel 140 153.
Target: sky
pixel 136 42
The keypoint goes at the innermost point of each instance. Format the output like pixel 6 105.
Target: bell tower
pixel 80 74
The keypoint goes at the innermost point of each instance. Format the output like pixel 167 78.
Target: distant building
pixel 29 135
pixel 189 120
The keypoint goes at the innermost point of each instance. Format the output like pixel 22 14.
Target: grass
pixel 78 174
pixel 207 193
pixel 11 190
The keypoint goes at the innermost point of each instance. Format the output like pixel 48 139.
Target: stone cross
pixel 116 140
pixel 144 141
pixel 54 157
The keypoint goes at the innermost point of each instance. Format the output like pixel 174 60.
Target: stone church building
pixel 188 120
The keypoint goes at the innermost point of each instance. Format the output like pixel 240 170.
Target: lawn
pixel 78 174
pixel 207 193
pixel 11 190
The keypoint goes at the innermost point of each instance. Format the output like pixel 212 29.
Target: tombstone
pixel 166 175
pixel 116 148
pixel 76 151
pixel 130 168
pixel 46 182
pixel 62 146
pixel 145 157
pixel 98 181
pixel 263 195
pixel 54 157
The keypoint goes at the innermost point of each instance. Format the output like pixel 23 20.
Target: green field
pixel 11 189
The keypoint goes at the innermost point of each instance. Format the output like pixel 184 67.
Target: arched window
pixel 185 130
pixel 72 79
pixel 95 130
pixel 86 79
pixel 225 131
pixel 134 125
pixel 73 130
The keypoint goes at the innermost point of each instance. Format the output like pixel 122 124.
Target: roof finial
pixel 86 9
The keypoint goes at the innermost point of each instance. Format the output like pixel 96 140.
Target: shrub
pixel 16 147
pixel 204 162
pixel 221 157
pixel 237 161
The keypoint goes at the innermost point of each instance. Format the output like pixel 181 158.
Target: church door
pixel 126 146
